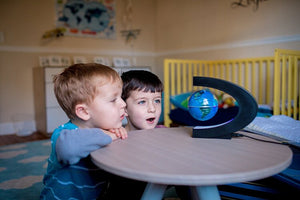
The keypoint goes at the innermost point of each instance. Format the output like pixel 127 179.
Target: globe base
pixel 204 133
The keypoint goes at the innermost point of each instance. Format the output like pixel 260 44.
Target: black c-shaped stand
pixel 247 109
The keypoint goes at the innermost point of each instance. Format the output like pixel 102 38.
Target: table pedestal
pixel 156 192
pixel 205 192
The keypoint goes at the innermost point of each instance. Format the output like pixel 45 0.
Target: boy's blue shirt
pixel 71 173
pixel 55 135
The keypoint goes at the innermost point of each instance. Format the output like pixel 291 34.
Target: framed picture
pixel 55 61
pixel 126 62
pixel 118 62
pixel 44 61
pixel 107 62
pixel 133 61
pixel 79 59
pixel 100 60
pixel 65 61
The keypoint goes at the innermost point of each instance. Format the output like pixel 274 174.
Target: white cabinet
pixel 48 113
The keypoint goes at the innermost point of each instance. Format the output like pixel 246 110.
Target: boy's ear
pixel 81 111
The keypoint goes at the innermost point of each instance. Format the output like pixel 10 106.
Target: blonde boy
pixel 90 95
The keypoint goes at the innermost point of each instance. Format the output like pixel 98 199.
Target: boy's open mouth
pixel 150 119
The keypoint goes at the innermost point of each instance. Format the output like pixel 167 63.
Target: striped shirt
pixel 71 174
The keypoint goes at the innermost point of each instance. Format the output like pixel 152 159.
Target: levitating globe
pixel 203 105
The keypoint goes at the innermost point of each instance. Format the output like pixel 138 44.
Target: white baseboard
pixel 21 128
pixel 6 128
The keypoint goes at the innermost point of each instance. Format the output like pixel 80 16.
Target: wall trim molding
pixel 37 49
pixel 237 44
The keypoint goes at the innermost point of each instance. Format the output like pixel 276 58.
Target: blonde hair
pixel 78 84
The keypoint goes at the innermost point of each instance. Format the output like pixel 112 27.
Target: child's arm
pixel 72 145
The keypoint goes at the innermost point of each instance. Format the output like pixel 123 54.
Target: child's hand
pixel 119 132
pixel 116 133
pixel 112 135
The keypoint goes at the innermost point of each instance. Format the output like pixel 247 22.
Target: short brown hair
pixel 77 84
pixel 140 80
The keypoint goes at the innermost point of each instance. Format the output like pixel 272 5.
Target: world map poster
pixel 87 18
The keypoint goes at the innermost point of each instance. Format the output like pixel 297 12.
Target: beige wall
pixel 199 23
pixel 195 29
pixel 23 24
pixel 201 29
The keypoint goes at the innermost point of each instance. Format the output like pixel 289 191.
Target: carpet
pixel 22 167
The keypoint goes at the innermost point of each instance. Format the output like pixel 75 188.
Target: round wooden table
pixel 170 156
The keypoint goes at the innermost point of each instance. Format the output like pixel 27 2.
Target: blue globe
pixel 203 105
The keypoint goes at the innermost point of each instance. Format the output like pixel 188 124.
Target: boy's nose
pixel 151 107
pixel 123 104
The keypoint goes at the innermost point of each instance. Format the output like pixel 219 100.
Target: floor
pixel 13 138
